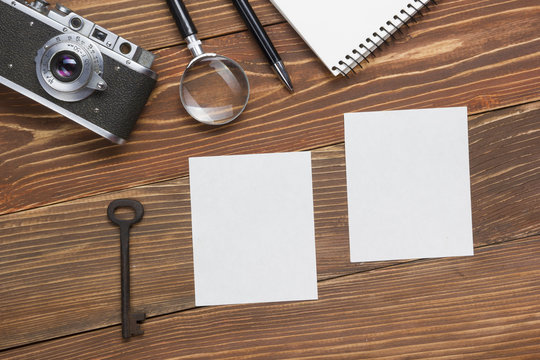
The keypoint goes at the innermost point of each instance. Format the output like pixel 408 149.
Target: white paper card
pixel 408 184
pixel 253 228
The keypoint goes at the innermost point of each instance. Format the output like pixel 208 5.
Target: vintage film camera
pixel 74 67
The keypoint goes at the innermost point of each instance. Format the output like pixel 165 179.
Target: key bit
pixel 130 320
pixel 135 320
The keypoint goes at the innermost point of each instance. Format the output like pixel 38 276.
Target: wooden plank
pixel 150 25
pixel 453 57
pixel 60 264
pixel 498 180
pixel 481 307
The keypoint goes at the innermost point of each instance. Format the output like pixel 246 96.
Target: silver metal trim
pixel 73 25
pixel 65 29
pixel 194 45
pixel 203 55
pixel 63 9
pixel 87 124
pixel 109 40
pixel 118 46
pixel 40 5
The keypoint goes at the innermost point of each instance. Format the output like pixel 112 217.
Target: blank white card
pixel 253 228
pixel 408 184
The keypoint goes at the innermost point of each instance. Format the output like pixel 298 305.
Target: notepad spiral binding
pixel 364 50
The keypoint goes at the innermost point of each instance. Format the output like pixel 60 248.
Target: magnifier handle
pixel 182 18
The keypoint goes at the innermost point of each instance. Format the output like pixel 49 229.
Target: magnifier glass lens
pixel 214 90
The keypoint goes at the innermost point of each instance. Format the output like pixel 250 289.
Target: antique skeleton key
pixel 130 320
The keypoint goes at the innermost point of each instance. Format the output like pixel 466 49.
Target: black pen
pixel 254 25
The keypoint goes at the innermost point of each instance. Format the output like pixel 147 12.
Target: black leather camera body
pixel 74 67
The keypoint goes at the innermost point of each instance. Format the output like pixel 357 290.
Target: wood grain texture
pixel 483 54
pixel 481 307
pixel 67 255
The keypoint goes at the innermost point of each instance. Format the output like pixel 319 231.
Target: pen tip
pixel 283 75
pixel 289 87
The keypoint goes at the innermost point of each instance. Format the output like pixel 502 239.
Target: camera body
pixel 74 67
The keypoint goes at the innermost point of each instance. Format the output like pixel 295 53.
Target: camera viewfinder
pixel 100 35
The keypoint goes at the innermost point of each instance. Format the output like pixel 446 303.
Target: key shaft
pixel 125 283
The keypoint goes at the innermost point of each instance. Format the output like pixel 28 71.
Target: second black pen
pixel 256 28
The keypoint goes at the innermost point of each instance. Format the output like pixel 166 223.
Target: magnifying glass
pixel 214 89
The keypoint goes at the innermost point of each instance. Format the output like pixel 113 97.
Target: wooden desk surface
pixel 59 255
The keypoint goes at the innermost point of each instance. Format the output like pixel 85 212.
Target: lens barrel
pixel 70 68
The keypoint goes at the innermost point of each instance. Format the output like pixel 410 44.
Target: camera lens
pixel 69 67
pixel 66 66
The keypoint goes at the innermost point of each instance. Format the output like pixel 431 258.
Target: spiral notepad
pixel 344 33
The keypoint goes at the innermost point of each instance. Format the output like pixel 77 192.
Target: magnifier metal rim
pixel 210 55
